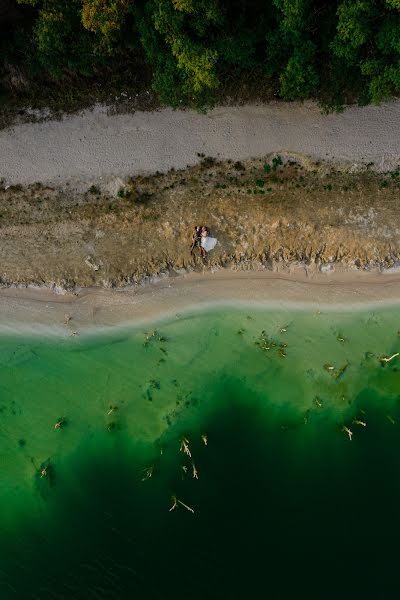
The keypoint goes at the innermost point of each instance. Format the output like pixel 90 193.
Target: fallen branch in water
pixel 348 431
pixel 388 359
pixel 358 422
pixel 176 501
pixel 185 447
pixel 148 473
pixel 341 371
pixel 44 472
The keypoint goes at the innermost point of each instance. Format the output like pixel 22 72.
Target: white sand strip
pixel 41 311
pixel 83 148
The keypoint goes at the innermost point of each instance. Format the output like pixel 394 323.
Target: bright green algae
pixel 284 502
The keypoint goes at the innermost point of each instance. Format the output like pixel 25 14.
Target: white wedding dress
pixel 208 243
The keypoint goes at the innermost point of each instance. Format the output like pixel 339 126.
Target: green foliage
pixel 336 52
pixel 184 5
pixel 175 36
pixel 294 15
pixel 298 74
pixel 300 79
pixel 276 162
pixel 196 63
pixel 76 35
pixel 393 4
pixel 368 37
pixel 384 83
pixel 104 16
pixel 355 21
pixel 62 43
pixel 238 51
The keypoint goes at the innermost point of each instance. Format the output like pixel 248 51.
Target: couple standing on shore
pixel 202 240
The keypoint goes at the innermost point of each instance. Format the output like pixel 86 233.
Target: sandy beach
pixel 95 146
pixel 88 310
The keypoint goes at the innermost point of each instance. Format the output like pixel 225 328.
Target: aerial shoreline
pixel 92 310
pixel 329 204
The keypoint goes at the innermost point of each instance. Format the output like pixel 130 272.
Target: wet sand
pixel 41 311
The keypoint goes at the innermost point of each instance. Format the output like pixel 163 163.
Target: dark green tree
pixel 368 39
pixel 177 39
pixel 291 49
pixel 336 52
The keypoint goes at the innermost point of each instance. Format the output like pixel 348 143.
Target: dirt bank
pixel 264 215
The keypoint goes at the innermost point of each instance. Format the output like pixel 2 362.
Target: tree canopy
pixel 335 52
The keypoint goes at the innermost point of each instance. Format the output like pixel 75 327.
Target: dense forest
pixel 194 52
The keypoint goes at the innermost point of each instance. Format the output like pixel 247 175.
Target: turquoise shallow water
pixel 285 505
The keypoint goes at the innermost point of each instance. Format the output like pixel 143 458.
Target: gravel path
pixel 93 145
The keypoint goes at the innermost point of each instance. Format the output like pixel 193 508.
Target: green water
pixel 285 505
